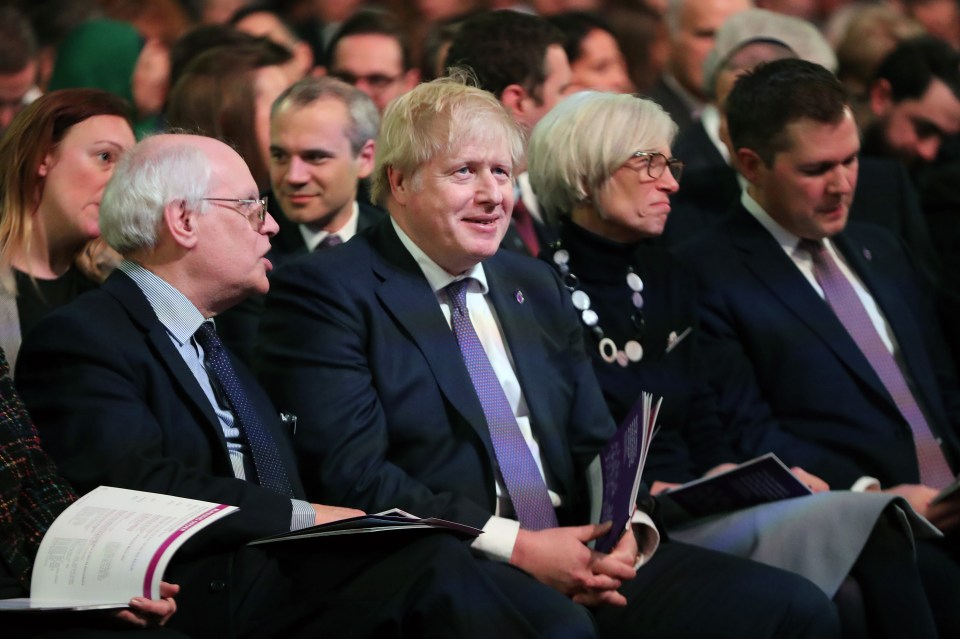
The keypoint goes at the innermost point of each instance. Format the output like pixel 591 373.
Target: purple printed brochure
pixel 615 475
pixel 758 481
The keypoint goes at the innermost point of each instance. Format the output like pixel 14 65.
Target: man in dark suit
pixel 322 144
pixel 820 339
pixel 131 387
pixel 431 371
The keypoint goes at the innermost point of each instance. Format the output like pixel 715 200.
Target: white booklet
pixel 110 545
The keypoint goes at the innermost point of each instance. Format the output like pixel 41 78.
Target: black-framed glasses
pixel 657 163
pixel 376 81
pixel 254 210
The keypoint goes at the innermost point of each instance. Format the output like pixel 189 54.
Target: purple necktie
pixel 839 293
pixel 526 487
pixel 266 459
pixel 329 242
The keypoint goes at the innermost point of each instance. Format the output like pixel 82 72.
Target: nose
pixel 668 183
pixel 270 226
pixel 297 172
pixel 488 189
pixel 842 180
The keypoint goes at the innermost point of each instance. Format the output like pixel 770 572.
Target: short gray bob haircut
pixel 436 117
pixel 364 117
pixel 150 176
pixel 582 141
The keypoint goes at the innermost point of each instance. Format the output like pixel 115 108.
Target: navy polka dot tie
pixel 266 459
pixel 526 487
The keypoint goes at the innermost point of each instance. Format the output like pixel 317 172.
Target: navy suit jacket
pixel 237 326
pixel 115 404
pixel 355 343
pixel 790 377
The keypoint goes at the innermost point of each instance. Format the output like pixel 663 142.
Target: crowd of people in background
pixel 470 234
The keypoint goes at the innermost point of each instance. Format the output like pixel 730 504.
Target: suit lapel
pixel 407 296
pixel 765 258
pixel 129 295
pixel 521 330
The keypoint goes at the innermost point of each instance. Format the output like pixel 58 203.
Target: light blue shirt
pixel 182 319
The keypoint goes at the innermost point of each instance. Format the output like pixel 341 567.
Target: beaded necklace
pixel 632 350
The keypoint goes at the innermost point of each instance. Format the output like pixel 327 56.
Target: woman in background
pixel 226 93
pixel 55 160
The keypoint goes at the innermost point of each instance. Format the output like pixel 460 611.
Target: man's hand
pixel 145 612
pixel 812 482
pixel 327 514
pixel 619 562
pixel 662 486
pixel 945 515
pixel 560 558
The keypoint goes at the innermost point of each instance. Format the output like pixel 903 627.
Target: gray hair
pixel 150 176
pixel 436 116
pixel 364 117
pixel 582 141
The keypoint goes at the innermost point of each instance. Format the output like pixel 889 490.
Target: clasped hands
pixel 560 558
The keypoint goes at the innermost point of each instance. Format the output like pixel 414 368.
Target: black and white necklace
pixel 632 350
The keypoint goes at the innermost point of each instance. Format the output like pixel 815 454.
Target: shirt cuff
pixel 864 484
pixel 498 539
pixel 648 537
pixel 302 516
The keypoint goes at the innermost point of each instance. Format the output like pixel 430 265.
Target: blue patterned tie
pixel 843 299
pixel 266 458
pixel 526 487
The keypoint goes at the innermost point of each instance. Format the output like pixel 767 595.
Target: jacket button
pixel 217 585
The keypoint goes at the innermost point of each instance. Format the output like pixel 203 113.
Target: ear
pixel 749 163
pixel 303 54
pixel 181 223
pixel 514 97
pixel 411 78
pixel 365 159
pixel 400 185
pixel 46 165
pixel 881 97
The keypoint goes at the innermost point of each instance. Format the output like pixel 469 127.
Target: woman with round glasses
pixel 601 167
pixel 55 160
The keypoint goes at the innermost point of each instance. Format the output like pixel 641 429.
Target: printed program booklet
pixel 111 545
pixel 758 481
pixel 616 473
pixel 390 520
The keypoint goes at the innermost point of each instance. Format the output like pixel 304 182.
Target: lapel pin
pixel 520 297
pixel 867 254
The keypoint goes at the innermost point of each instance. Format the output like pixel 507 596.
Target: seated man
pixel 433 372
pixel 822 344
pixel 131 387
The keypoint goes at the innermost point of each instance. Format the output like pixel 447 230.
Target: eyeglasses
pixel 376 81
pixel 254 210
pixel 657 163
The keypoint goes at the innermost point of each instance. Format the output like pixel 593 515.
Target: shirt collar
pixel 784 238
pixel 177 314
pixel 312 238
pixel 436 276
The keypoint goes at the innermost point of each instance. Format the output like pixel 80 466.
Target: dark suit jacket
pixel 237 326
pixel 128 412
pixel 790 377
pixel 662 94
pixel 354 342
pixel 884 196
pixel 696 149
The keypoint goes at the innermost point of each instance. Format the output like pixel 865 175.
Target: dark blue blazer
pixel 115 404
pixel 354 342
pixel 790 377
